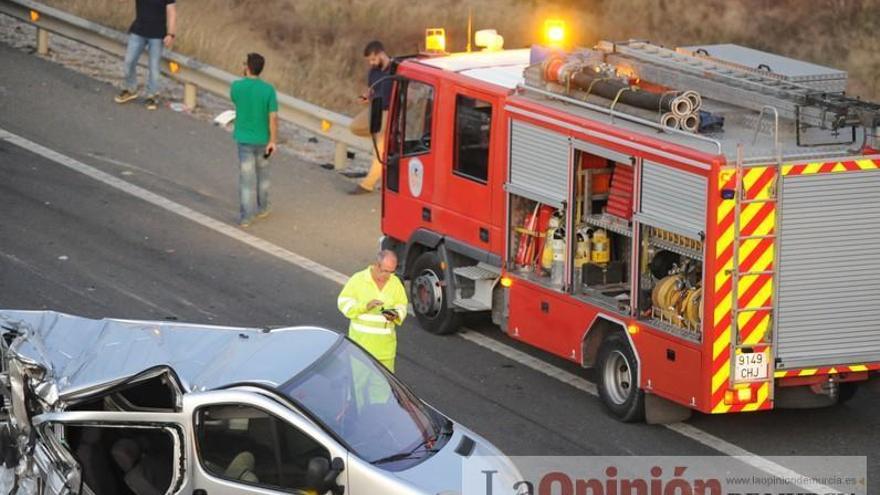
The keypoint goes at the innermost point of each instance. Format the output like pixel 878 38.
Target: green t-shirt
pixel 254 99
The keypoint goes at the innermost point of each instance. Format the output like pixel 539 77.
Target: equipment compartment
pixel 538 242
pixel 671 282
pixel 603 230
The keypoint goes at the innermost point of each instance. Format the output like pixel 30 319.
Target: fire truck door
pixel 410 154
pixel 410 162
pixel 464 178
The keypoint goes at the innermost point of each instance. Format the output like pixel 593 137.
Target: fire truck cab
pixel 698 224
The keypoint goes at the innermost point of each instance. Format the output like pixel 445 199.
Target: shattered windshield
pixel 367 407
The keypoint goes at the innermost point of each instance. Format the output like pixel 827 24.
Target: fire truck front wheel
pixel 618 382
pixel 428 296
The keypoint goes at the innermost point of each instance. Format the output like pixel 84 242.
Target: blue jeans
pixel 136 45
pixel 253 177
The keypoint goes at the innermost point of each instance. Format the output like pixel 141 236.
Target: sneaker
pixel 244 223
pixel 152 102
pixel 125 96
pixel 263 214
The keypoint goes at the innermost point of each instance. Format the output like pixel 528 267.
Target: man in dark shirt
pixel 154 25
pixel 379 82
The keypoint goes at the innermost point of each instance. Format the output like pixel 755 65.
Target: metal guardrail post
pixel 340 158
pixel 42 41
pixel 190 95
pixel 192 73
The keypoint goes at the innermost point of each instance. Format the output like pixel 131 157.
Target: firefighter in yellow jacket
pixel 375 301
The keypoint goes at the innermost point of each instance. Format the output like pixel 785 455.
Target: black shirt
pixel 151 19
pixel 380 82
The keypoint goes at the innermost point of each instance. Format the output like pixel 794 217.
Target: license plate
pixel 751 367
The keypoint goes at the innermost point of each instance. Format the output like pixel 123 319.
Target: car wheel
pixel 427 293
pixel 618 379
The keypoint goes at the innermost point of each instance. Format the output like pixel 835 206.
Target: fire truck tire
pixel 847 391
pixel 618 379
pixel 427 293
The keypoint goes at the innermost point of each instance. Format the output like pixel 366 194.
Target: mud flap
pixel 660 411
pixel 873 384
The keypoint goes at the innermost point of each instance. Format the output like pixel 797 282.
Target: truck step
pixel 471 304
pixel 480 271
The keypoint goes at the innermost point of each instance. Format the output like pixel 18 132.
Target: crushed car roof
pixel 82 354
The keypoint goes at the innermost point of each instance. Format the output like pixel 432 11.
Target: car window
pixel 245 444
pixel 419 106
pixel 473 120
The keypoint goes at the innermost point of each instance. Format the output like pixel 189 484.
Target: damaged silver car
pixel 138 407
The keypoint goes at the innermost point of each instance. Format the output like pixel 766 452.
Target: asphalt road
pixel 73 244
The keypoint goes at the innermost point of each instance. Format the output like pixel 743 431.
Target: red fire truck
pixel 697 224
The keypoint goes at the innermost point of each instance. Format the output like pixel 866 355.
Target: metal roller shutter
pixel 539 163
pixel 829 270
pixel 673 199
pixel 603 152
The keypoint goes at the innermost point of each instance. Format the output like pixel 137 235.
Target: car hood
pixel 76 357
pixel 447 470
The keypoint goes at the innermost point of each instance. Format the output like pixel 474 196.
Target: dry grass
pixel 313 47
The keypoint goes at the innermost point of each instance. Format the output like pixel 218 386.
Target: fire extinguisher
pixel 545 213
pixel 600 250
pixel 547 255
pixel 558 264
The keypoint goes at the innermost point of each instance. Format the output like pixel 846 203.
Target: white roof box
pixel 796 71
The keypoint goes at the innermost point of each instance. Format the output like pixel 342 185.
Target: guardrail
pixel 189 71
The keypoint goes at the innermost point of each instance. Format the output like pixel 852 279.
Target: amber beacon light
pixel 435 40
pixel 554 32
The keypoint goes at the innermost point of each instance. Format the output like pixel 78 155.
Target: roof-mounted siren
pixel 489 40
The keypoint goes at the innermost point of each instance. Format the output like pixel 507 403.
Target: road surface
pixel 69 242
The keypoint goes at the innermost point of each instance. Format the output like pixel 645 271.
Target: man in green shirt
pixel 256 130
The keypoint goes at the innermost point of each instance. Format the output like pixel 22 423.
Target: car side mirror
pixel 321 475
pixel 375 115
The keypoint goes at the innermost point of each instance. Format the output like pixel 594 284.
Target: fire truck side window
pixel 473 119
pixel 417 121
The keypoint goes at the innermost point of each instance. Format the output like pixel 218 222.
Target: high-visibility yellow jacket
pixel 370 329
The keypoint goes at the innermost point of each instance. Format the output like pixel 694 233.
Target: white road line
pixel 267 247
pixel 165 203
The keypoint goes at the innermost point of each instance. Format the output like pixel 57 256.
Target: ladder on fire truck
pixel 743 200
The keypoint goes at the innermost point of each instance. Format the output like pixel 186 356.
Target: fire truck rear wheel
pixel 618 379
pixel 428 296
pixel 847 391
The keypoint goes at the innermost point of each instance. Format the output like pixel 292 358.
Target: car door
pixel 246 443
pixel 79 452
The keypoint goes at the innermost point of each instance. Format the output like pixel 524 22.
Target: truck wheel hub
pixel 618 377
pixel 428 291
